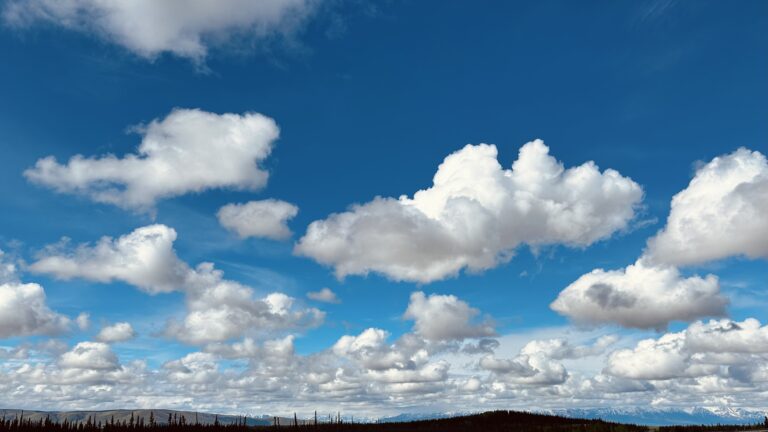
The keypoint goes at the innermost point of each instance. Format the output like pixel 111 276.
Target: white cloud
pixel 149 28
pixel 194 368
pixel 559 349
pixel 375 366
pixel 217 309
pixel 640 296
pixel 445 317
pixel 23 307
pixel 266 218
pixel 7 268
pixel 368 374
pixel 526 370
pixel 654 359
pixel 118 332
pixel 727 336
pixel 220 309
pixel 720 214
pixel 83 321
pixel 24 312
pixel 144 258
pixel 535 364
pixel 324 295
pixel 474 216
pixel 188 151
pixel 89 355
pixel 273 351
pixel 371 349
pixel 716 349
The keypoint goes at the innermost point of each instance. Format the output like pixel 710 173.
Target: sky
pixel 383 207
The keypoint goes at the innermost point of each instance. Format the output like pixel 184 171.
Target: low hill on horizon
pixel 100 421
pixel 119 420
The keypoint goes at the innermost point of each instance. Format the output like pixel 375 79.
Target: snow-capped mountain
pixel 666 416
pixel 408 417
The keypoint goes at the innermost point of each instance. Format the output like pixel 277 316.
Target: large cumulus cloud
pixel 24 310
pixel 189 150
pixel 640 296
pixel 722 349
pixel 144 258
pixel 445 317
pixel 721 213
pixel 474 216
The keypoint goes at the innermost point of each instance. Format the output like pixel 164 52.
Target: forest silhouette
pixel 494 421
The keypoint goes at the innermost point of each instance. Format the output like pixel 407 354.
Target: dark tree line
pixel 715 428
pixel 175 423
pixel 495 421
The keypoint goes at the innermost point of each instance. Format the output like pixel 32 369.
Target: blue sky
pixel 370 99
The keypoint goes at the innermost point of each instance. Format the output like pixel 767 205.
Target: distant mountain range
pixel 664 416
pixel 642 416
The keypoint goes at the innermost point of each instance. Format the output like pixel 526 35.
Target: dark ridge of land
pixel 492 421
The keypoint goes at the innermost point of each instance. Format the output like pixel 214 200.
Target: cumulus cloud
pixel 640 296
pixel 83 321
pixel 376 366
pixel 368 363
pixel 273 351
pixel 190 150
pixel 537 363
pixel 559 349
pixel 266 218
pixel 369 373
pixel 727 336
pixel 474 216
pixel 716 349
pixel 24 312
pixel 526 370
pixel 371 349
pixel 444 318
pixel 144 258
pixel 118 332
pixel 89 355
pixel 218 309
pixel 193 368
pixel 654 359
pixel 720 214
pixel 149 28
pixel 325 295
pixel 23 307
